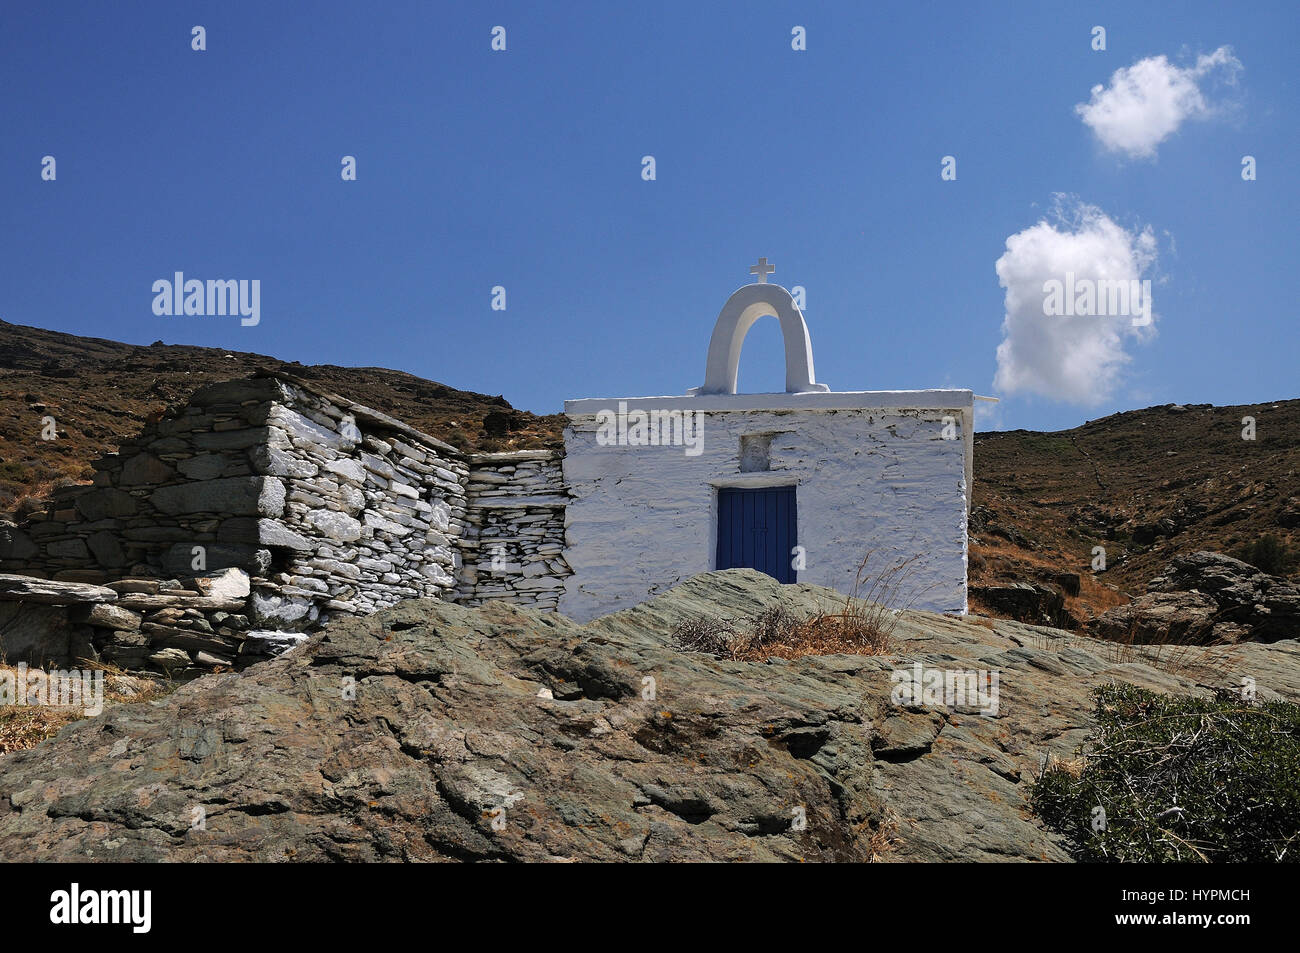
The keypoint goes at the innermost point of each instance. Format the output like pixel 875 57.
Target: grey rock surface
pixel 1206 596
pixel 431 731
pixel 14 588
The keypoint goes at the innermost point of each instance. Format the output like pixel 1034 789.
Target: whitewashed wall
pixel 643 518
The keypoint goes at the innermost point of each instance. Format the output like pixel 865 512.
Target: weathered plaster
pixel 872 470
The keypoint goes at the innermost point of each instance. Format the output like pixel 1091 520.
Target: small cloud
pixel 1076 358
pixel 1146 103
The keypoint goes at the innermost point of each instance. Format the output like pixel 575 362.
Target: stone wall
pixel 373 511
pixel 180 627
pixel 195 478
pixel 513 544
pixel 329 506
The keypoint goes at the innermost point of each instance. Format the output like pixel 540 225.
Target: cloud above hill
pixel 1147 102
pixel 1074 357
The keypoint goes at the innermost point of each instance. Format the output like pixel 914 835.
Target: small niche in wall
pixel 756 452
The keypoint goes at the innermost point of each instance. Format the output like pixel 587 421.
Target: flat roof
pixel 833 400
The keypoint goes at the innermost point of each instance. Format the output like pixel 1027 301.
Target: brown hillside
pixel 1145 484
pixel 99 391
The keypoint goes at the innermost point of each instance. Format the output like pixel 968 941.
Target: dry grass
pixel 995 561
pixel 1071 766
pixel 862 624
pixel 883 839
pixel 776 634
pixel 23 727
pixel 1205 662
pixel 824 634
pixel 26 726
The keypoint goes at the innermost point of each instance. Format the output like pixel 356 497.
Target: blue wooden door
pixel 758 529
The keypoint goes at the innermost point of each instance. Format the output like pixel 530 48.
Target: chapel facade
pixel 803 485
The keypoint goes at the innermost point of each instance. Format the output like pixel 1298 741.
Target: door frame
pixel 749 481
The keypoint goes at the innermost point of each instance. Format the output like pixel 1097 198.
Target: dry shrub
pixel 863 624
pixel 1191 656
pixel 26 726
pixel 823 634
pixel 1178 779
pixel 710 634
pixel 866 620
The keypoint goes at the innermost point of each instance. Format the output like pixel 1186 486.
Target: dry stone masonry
pixel 180 628
pixel 329 507
pixel 513 546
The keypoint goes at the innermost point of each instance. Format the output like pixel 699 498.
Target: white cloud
pixel 988 416
pixel 1076 358
pixel 1146 103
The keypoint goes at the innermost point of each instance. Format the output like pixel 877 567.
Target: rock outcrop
pixel 1207 597
pixel 432 731
pixel 1028 602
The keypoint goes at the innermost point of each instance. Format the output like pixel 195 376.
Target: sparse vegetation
pixel 26 726
pixel 1185 478
pixel 709 634
pixel 862 625
pixel 1180 778
pixel 1194 654
pixel 1268 554
pixel 101 391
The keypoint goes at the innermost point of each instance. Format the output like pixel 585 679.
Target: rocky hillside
pixel 100 391
pixel 1147 485
pixel 435 732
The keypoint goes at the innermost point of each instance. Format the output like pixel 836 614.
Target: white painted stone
pixel 871 473
pixel 745 306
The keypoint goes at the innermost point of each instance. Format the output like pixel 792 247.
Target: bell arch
pixel 738 315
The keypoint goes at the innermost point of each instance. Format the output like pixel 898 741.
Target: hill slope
pixel 1146 485
pixel 99 391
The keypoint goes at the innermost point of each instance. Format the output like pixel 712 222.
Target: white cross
pixel 762 269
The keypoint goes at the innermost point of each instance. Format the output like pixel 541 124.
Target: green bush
pixel 1269 554
pixel 1180 779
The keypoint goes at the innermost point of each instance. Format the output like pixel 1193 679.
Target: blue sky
pixel 523 169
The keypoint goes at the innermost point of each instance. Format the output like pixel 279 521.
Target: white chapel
pixel 799 484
